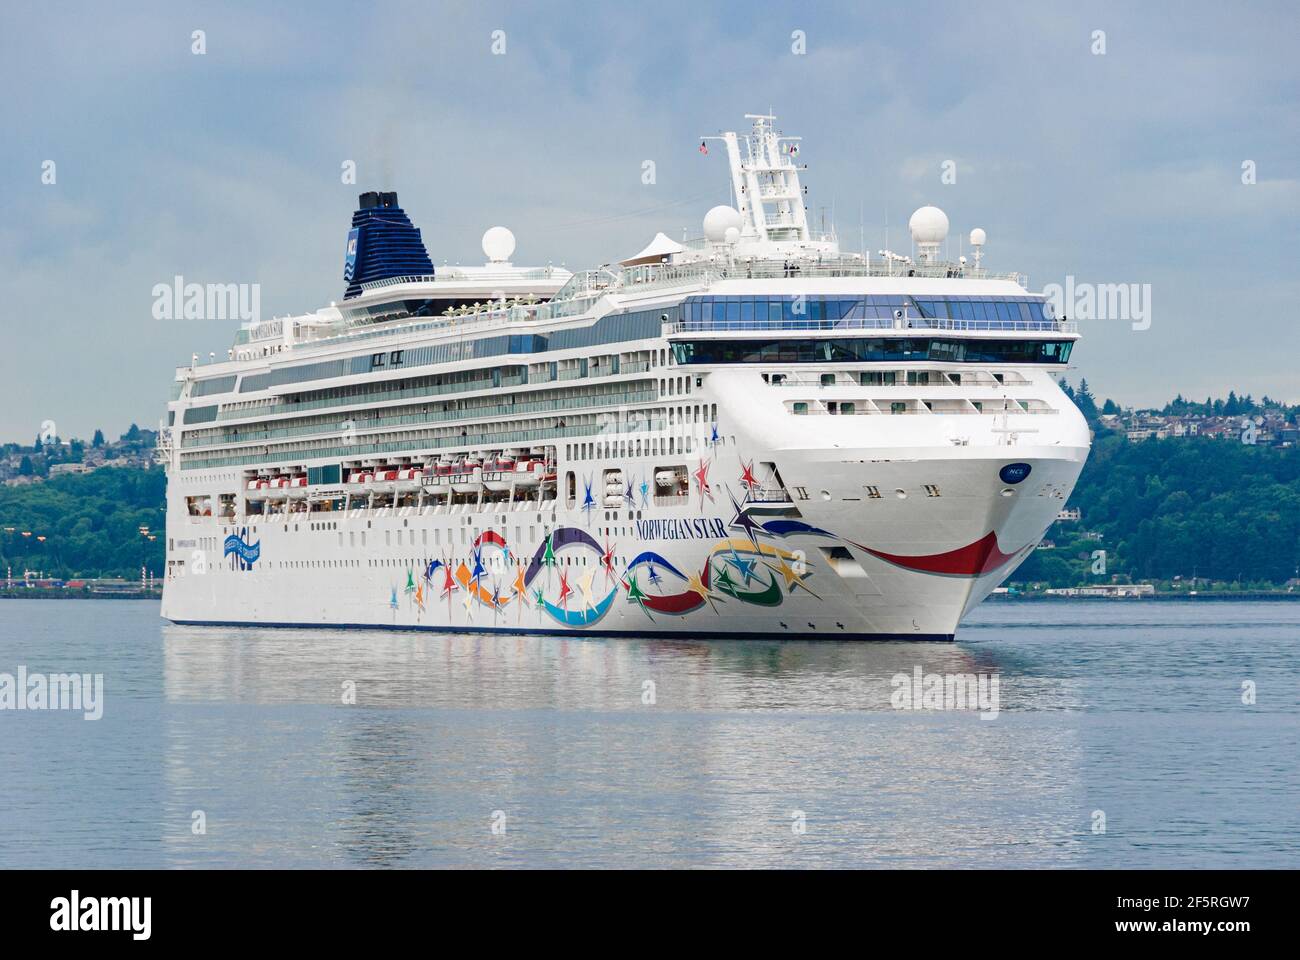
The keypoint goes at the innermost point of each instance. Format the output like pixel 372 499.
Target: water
pixel 1133 709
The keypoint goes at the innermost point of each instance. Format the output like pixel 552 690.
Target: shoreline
pixel 1216 596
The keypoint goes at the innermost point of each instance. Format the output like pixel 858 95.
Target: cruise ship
pixel 749 434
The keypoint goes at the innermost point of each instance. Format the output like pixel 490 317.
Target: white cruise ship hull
pixel 896 567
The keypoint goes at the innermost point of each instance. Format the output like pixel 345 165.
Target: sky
pixel 1114 164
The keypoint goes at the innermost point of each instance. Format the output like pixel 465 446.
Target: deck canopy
pixel 657 250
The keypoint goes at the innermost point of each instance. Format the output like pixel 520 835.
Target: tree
pixel 132 434
pixel 1110 407
pixel 98 440
pixel 1085 401
pixel 25 466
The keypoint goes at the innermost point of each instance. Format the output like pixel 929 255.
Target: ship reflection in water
pixel 226 747
pixel 604 752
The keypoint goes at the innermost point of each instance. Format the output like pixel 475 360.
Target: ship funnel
pixel 382 243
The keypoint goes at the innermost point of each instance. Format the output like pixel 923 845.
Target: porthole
pixel 1008 492
pixel 900 493
pixel 826 494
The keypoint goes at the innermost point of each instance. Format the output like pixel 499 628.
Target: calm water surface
pixel 1133 709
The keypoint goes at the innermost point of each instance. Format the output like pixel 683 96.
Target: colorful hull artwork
pixel 741 569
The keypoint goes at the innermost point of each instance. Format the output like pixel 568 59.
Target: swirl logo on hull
pixel 245 554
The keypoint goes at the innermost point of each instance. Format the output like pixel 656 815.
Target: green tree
pixel 1085 401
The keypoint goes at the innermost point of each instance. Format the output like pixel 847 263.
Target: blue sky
pixel 225 168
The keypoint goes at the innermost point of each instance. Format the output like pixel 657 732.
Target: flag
pixel 794 149
pixel 704 149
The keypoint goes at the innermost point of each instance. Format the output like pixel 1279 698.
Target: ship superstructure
pixel 749 434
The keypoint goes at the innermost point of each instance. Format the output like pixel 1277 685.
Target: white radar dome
pixel 732 234
pixel 498 244
pixel 977 237
pixel 718 220
pixel 929 225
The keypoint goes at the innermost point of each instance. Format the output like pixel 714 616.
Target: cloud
pixel 225 167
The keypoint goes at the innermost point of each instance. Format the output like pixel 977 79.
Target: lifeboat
pixel 408 478
pixel 437 474
pixel 385 479
pixel 466 473
pixel 528 473
pixel 498 472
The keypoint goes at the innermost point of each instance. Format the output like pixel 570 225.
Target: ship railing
pixel 356 399
pixel 968 382
pixel 768 496
pixel 721 268
pixel 428 445
pixel 415 419
pixel 490 316
pixel 456 273
pixel 911 324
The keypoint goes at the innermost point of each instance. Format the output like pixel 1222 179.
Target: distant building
pixel 63 469
pixel 1106 590
pixel 1070 515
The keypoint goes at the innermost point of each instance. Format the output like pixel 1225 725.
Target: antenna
pixel 977 238
pixel 765 184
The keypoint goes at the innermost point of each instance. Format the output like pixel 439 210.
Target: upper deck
pixel 758 269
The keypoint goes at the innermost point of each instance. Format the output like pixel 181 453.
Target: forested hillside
pixel 90 524
pixel 1180 507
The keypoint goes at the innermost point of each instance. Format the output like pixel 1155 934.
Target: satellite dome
pixel 498 244
pixel 977 237
pixel 928 225
pixel 717 220
pixel 732 234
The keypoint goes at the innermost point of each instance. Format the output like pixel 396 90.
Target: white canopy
pixel 655 252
